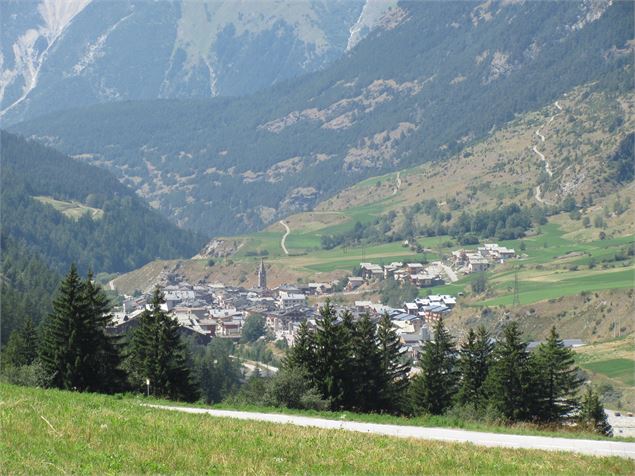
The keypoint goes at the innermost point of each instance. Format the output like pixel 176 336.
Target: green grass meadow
pixel 55 432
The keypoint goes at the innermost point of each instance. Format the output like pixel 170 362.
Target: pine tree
pixel 302 354
pixel 66 345
pixel 350 381
pixel 394 371
pixel 157 353
pixel 557 380
pixel 331 357
pixel 21 349
pixel 509 383
pixel 435 386
pixel 366 376
pixel 475 358
pixel 108 376
pixel 592 415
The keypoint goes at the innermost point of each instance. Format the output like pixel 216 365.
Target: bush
pixel 290 388
pixel 32 375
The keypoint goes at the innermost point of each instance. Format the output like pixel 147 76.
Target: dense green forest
pixel 463 78
pixel 38 242
pixel 127 236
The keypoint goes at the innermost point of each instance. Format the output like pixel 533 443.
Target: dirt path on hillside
pixel 590 447
pixel 547 165
pixel 398 186
pixel 284 238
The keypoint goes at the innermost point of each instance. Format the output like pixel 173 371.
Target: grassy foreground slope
pixel 48 431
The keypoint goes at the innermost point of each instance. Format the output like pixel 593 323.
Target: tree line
pixel 341 364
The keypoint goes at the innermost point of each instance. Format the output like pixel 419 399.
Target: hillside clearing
pixel 48 431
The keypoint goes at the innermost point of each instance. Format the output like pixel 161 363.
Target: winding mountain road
pixel 284 238
pixel 589 447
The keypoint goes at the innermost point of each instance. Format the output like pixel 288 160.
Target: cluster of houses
pixel 479 260
pixel 205 310
pixel 416 273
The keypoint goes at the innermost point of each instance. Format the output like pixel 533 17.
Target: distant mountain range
pixel 80 52
pixel 435 78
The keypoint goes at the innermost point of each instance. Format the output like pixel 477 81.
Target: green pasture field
pixel 49 431
pixel 74 210
pixel 618 369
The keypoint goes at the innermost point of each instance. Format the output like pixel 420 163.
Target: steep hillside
pixel 60 52
pixel 463 70
pixel 577 269
pixel 124 235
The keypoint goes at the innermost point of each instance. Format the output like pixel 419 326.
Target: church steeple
pixel 262 275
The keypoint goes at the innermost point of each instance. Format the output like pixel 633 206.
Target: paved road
pixel 589 447
pixel 284 238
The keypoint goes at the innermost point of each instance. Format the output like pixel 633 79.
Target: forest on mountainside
pixel 220 166
pixel 38 242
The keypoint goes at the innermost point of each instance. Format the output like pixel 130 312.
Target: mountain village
pixel 207 310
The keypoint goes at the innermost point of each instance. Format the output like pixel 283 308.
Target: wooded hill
pixel 462 70
pixel 39 242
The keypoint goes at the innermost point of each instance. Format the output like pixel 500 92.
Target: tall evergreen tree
pixel 66 345
pixel 509 383
pixel 435 386
pixel 475 357
pixel 331 357
pixel 21 349
pixel 557 380
pixel 157 353
pixel 108 376
pixel 366 376
pixel 394 368
pixel 302 354
pixel 592 415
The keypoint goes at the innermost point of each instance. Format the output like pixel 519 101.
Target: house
pixel 363 306
pixel 477 263
pixel 411 308
pixel 354 282
pixel 371 271
pixel 414 268
pixel 287 299
pixel 229 329
pixel 389 270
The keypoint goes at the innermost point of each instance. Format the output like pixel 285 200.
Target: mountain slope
pixel 229 165
pixel 56 52
pixel 125 235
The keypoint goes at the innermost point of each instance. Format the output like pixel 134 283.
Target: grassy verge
pixel 48 431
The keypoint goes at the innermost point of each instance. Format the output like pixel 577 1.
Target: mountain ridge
pixel 231 165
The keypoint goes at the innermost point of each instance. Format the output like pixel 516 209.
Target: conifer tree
pixel 592 415
pixel 366 376
pixel 393 366
pixel 21 349
pixel 302 354
pixel 108 376
pixel 350 337
pixel 509 383
pixel 435 386
pixel 157 353
pixel 67 341
pixel 474 361
pixel 331 357
pixel 557 381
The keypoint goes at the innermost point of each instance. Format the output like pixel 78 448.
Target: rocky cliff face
pixel 61 53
